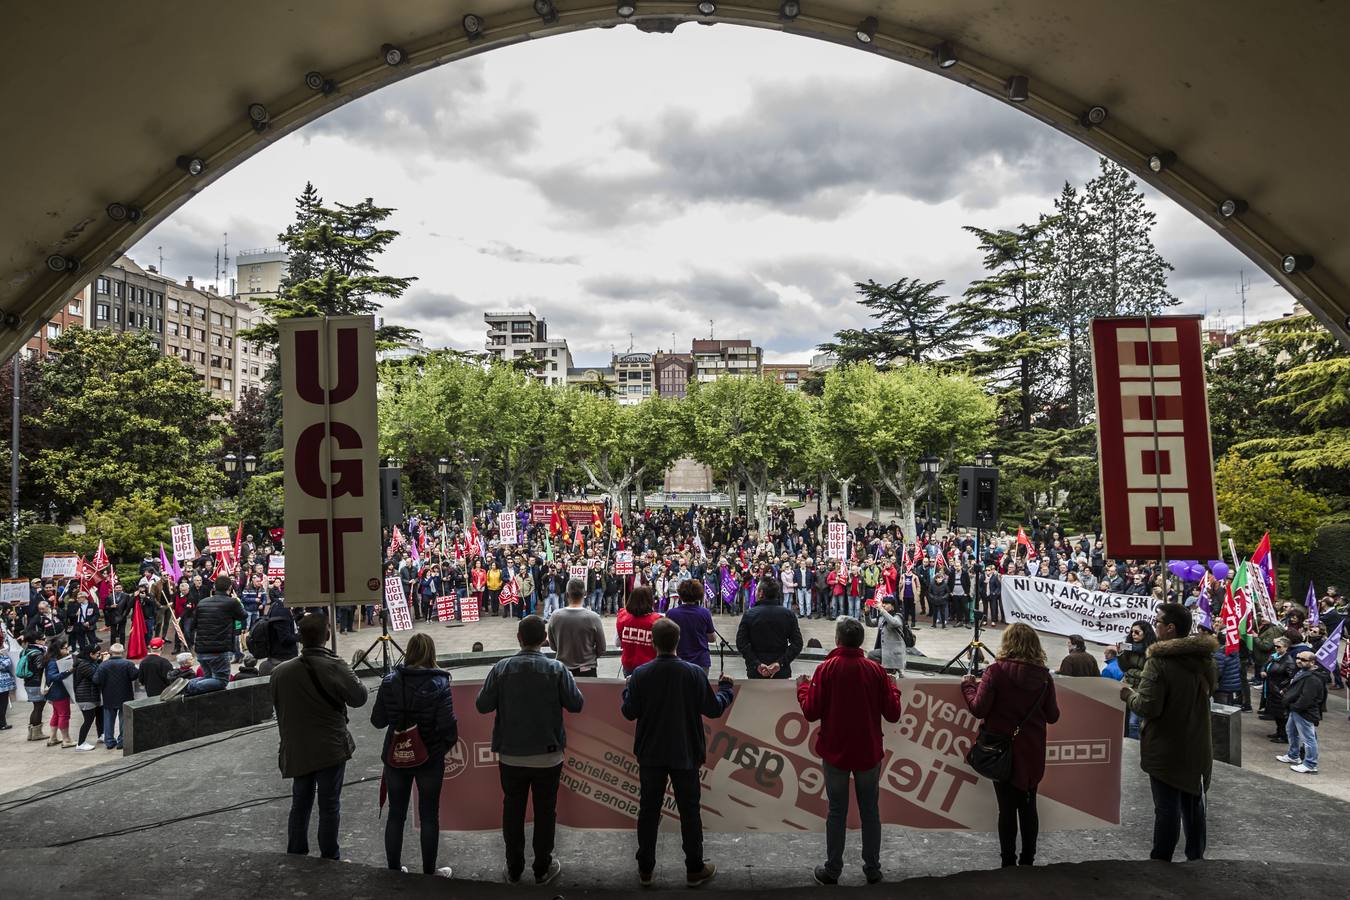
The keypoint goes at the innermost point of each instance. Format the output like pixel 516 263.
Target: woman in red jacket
pixel 634 627
pixel 1017 685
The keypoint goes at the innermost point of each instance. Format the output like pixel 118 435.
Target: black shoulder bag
pixel 991 754
pixel 328 698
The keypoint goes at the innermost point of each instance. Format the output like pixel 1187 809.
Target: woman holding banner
pixel 1016 696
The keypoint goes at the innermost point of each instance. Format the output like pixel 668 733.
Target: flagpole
pixel 1157 452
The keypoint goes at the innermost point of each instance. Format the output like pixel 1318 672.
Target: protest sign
pixel 445 608
pixel 184 546
pixel 14 590
pixel 399 617
pixel 1062 608
pixel 838 540
pixel 623 562
pixel 64 564
pixel 577 572
pixel 506 527
pixel 218 539
pixel 577 513
pixel 762 773
pixel 276 566
pixel 468 608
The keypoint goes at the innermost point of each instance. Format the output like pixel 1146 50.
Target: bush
pixel 37 540
pixel 1327 563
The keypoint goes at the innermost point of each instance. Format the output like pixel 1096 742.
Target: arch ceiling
pixel 103 98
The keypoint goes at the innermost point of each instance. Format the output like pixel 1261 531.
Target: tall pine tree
pixel 913 326
pixel 1130 275
pixel 1068 289
pixel 1019 338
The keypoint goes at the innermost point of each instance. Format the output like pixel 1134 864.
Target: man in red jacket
pixel 849 695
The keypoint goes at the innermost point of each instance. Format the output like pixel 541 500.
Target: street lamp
pixel 250 464
pixel 928 465
pixel 985 459
pixel 443 470
pixel 394 462
pixel 239 468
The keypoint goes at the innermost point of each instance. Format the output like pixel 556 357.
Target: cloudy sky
pixel 719 180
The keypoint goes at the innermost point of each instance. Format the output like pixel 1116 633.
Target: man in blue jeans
pixel 311 694
pixel 220 617
pixel 668 698
pixel 849 695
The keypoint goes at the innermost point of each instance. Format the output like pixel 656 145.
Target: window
pixel 229 343
pixel 75 307
pixel 215 384
pixel 227 321
pixel 117 314
pixel 199 312
pixel 253 370
pixel 216 363
pixel 53 330
pixel 102 285
pixel 226 384
pixel 200 357
pixel 117 288
pixel 101 312
pixel 215 318
pixel 173 328
pixel 200 334
pixel 229 364
pixel 173 305
pixel 220 341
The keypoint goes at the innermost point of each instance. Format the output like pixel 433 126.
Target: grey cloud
pixel 442 113
pixel 698 289
pixel 190 245
pixel 510 253
pixel 431 306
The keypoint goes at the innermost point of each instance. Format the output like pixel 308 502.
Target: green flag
pixel 1242 599
pixel 548 548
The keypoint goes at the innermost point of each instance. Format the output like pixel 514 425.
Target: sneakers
pixel 874 876
pixel 175 688
pixel 1303 769
pixel 445 871
pixel 646 879
pixel 701 877
pixel 822 876
pixel 1285 758
pixel 86 746
pixel 553 869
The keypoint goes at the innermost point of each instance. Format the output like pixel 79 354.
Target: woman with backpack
pixel 1016 699
pixel 415 705
pixel 30 671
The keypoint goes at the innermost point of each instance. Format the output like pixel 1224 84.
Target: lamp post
pixel 443 470
pixel 928 465
pixel 239 468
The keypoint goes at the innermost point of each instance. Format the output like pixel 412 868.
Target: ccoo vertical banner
pixel 1157 471
pixel 331 456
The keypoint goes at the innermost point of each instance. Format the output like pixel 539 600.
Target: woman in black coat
pixel 87 696
pixel 416 693
pixel 1280 669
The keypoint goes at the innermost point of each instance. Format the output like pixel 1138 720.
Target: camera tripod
pixel 975 652
pixel 362 657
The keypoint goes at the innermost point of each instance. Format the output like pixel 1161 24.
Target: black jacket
pixel 214 628
pixel 86 691
pixel 668 698
pixel 283 642
pixel 418 697
pixel 1306 693
pixel 154 674
pixel 116 677
pixel 768 634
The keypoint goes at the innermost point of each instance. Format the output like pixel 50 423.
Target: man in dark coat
pixel 769 637
pixel 1175 746
pixel 311 694
pixel 668 699
pixel 1078 663
pixel 219 618
pixel 116 680
pixel 1304 697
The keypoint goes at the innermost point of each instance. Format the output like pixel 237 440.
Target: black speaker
pixel 391 497
pixel 977 490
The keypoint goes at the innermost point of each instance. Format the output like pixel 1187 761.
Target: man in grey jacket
pixel 311 694
pixel 577 634
pixel 529 692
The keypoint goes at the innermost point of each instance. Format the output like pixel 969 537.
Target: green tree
pixel 751 428
pixel 899 416
pixel 913 325
pixel 1019 335
pixel 1068 286
pixel 1239 380
pixel 120 417
pixel 1130 276
pixel 130 527
pixel 440 405
pixel 1254 497
pixel 1051 471
pixel 661 437
pixel 527 440
pixel 603 443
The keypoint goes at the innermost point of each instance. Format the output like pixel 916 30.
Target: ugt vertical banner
pixel 330 435
pixel 1156 467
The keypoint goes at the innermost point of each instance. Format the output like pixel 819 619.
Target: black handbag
pixel 991 754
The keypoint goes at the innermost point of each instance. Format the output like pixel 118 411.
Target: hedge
pixel 1327 563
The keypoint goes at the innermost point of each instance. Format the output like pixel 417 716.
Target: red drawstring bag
pixel 406 748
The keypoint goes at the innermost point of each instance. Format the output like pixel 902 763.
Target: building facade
pixel 71 315
pixel 791 375
pixel 516 335
pixel 672 372
pixel 633 377
pixel 713 359
pixel 252 359
pixel 200 328
pixel 259 273
pixel 596 379
pixel 127 297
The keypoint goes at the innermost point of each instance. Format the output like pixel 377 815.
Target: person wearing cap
pixel 155 671
pixel 116 679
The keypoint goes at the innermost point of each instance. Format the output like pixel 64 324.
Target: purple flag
pixel 167 567
pixel 1330 651
pixel 1314 616
pixel 754 593
pixel 728 586
pixel 709 592
pixel 1205 615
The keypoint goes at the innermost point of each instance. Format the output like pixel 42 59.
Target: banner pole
pixel 1157 452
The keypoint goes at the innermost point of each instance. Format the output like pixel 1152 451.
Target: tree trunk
pixel 734 490
pixel 876 503
pixel 621 501
pixel 907 503
pixel 641 498
pixel 534 487
pixel 844 484
pixel 466 504
pixel 509 491
pixel 750 508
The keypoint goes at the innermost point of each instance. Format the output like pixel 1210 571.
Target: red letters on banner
pixel 1156 468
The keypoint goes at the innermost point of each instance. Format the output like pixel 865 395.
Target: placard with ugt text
pixel 184 547
pixel 400 619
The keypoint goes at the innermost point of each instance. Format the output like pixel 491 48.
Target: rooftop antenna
pixel 630 342
pixel 710 329
pixel 672 342
pixel 217 268
pixel 161 259
pixel 227 261
pixel 1243 285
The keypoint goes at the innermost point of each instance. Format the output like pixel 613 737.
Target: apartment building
pixel 791 375
pixel 672 372
pixel 633 377
pixel 515 335
pixel 713 359
pixel 200 328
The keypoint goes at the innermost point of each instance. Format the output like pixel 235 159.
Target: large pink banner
pixel 762 774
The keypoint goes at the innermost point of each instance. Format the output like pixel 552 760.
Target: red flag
pixel 136 640
pixel 1263 560
pixel 510 592
pixel 1025 542
pixel 596 522
pixel 1229 616
pixel 618 526
pixel 100 557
